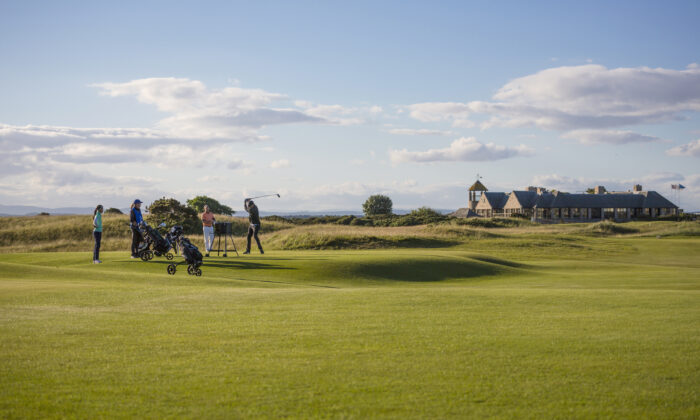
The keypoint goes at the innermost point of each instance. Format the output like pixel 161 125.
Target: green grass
pixel 534 324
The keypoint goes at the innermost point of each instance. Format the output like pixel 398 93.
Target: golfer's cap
pixel 137 201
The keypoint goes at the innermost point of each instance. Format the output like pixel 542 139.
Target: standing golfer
pixel 97 233
pixel 136 219
pixel 208 228
pixel 254 219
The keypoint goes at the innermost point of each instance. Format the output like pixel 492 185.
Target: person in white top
pixel 208 228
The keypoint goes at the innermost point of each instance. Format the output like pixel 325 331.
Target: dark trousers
pixel 136 239
pixel 253 232
pixel 98 240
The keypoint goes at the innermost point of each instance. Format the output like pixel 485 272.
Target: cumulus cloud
pixel 587 97
pixel 691 149
pixel 200 112
pixel 419 132
pixel 608 136
pixel 462 149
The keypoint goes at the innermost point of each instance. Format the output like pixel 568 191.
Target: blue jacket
pixel 136 217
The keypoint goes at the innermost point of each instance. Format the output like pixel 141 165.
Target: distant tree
pixel 378 205
pixel 43 213
pixel 590 191
pixel 200 201
pixel 171 212
pixel 113 210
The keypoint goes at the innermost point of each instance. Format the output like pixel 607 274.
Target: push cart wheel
pixel 171 269
pixel 168 256
pixel 150 255
pixel 143 255
pixel 191 270
pixel 199 272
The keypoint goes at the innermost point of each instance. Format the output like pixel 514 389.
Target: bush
pixel 378 205
pixel 610 228
pixel 684 217
pixel 171 212
pixel 113 210
pixel 200 201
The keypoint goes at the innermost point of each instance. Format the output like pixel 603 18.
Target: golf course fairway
pixel 609 331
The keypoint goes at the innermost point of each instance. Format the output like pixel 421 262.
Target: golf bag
pixel 193 258
pixel 155 243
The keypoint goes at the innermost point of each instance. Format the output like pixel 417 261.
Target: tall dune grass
pixel 74 233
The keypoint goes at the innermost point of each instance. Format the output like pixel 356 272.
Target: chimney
pixel 541 190
pixel 599 189
pixel 637 188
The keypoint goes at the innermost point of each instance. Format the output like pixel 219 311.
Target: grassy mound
pixel 607 227
pixel 309 240
pixel 495 222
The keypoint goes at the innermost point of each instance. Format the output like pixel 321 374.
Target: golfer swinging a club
pixel 254 228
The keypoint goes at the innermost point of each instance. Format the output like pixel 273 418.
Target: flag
pixel 677 187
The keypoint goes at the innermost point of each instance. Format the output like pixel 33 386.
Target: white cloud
pixel 281 163
pixel 462 149
pixel 580 97
pixel 608 136
pixel 230 113
pixel 691 149
pixel 419 132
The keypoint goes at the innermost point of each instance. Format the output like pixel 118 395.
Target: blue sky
pixel 329 102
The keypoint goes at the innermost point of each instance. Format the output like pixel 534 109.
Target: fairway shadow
pixel 497 261
pixel 237 264
pixel 427 269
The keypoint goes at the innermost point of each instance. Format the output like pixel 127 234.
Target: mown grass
pixel 573 325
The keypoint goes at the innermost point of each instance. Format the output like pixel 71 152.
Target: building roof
pixel 478 186
pixel 495 199
pixel 526 199
pixel 646 199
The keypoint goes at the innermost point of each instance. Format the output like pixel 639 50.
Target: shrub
pixel 378 205
pixel 200 201
pixel 113 210
pixel 171 212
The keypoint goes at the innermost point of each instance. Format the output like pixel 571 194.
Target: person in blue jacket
pixel 136 218
pixel 97 233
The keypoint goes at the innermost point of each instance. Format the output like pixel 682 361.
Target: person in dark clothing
pixel 136 218
pixel 254 228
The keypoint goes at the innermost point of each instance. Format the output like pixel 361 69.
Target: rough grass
pixel 568 326
pixel 74 233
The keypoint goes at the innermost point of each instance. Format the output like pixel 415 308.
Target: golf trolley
pixel 154 243
pixel 192 256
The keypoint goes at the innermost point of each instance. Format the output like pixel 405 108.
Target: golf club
pixel 268 195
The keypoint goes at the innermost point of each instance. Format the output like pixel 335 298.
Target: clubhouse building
pixel 539 204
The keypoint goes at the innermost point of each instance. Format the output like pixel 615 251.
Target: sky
pixel 327 103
